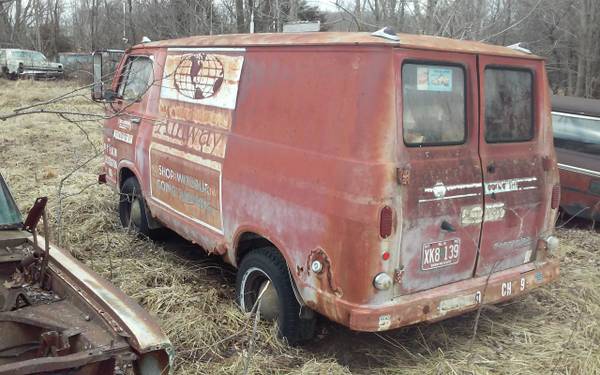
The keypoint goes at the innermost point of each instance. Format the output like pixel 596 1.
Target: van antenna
pixel 387 33
pixel 124 22
pixel 518 47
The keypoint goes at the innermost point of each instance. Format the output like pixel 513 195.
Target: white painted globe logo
pixel 198 76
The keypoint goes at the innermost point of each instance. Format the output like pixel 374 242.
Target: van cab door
pixel 440 189
pixel 128 127
pixel 513 146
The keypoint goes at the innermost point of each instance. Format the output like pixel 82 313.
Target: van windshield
pixel 433 110
pixel 9 213
pixel 577 133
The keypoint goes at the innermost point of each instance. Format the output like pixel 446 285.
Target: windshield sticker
pixel 434 79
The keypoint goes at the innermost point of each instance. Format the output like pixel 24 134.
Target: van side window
pixel 433 111
pixel 508 105
pixel 136 79
pixel 577 133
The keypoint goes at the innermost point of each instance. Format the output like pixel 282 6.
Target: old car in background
pixel 576 123
pixel 58 316
pixel 16 63
pixel 76 65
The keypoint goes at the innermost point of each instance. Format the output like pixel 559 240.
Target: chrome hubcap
pixel 269 305
pixel 135 214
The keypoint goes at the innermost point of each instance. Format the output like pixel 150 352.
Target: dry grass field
pixel 554 330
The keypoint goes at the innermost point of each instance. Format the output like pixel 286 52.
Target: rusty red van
pixel 576 123
pixel 377 179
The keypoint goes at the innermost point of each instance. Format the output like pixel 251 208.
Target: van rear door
pixel 440 204
pixel 512 150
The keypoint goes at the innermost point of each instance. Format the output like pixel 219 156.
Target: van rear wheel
pixel 132 208
pixel 265 272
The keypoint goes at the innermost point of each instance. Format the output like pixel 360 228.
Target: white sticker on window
pixel 434 79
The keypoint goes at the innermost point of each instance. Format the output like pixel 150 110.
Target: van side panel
pixel 309 163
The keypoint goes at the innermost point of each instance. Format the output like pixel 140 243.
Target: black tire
pixel 131 199
pixel 255 269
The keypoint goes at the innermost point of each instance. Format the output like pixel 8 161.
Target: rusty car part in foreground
pixel 576 123
pixel 58 316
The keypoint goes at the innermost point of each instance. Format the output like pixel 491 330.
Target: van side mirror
pixel 98 85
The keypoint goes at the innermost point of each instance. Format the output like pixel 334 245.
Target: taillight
pixel 555 196
pixel 386 222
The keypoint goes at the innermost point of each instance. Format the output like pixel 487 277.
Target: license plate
pixel 440 254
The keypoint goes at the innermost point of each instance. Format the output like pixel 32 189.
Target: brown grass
pixel 554 330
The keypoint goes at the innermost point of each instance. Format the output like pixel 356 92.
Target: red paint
pixel 315 150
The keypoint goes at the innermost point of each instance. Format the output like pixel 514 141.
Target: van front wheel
pixel 132 209
pixel 264 272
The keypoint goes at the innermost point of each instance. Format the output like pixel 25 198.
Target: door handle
pixel 491 168
pixel 447 226
pixel 135 120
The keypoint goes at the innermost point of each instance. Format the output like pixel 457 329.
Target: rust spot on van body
pixel 325 274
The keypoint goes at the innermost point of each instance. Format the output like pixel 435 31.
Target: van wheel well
pixel 250 241
pixel 124 174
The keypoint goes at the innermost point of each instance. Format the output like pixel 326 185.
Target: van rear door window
pixel 508 105
pixel 576 133
pixel 433 111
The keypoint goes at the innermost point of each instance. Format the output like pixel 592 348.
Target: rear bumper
pixel 453 299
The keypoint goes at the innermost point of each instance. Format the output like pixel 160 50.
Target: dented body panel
pixel 299 140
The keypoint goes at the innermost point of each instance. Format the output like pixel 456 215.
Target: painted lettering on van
pixel 439 190
pixel 203 140
pixel 505 186
pixel 197 114
pixel 187 149
pixel 195 196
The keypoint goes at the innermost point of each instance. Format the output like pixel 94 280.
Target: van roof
pixel 338 38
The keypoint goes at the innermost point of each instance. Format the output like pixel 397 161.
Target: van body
pixel 576 123
pixel 400 181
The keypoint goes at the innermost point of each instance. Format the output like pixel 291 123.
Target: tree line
pixel 566 32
